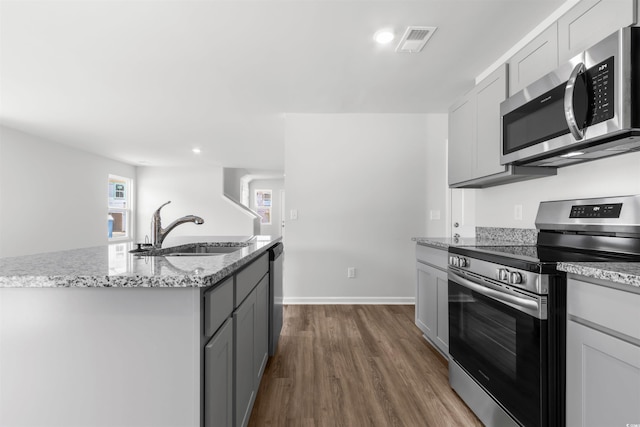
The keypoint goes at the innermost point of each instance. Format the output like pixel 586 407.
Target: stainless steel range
pixel 507 309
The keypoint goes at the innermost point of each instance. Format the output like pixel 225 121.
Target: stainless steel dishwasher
pixel 276 257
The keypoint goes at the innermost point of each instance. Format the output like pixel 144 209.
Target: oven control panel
pixel 608 210
pixel 498 274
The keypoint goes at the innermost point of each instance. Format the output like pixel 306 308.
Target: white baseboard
pixel 349 300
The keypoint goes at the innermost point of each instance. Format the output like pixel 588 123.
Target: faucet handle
pixel 157 212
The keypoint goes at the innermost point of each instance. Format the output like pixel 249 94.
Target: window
pixel 263 205
pixel 119 203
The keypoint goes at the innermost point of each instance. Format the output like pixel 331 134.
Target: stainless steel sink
pixel 197 249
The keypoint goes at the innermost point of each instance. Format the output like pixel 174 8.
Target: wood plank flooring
pixel 362 365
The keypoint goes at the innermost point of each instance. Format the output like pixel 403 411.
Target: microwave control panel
pixel 609 210
pixel 601 87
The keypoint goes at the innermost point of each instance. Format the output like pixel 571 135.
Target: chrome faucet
pixel 158 233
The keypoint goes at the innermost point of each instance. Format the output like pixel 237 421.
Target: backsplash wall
pixel 613 176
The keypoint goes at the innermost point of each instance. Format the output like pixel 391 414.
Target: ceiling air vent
pixel 415 38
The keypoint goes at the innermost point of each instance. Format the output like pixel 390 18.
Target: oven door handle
pixel 522 304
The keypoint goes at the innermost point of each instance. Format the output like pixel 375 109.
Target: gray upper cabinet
pixel 536 59
pixel 590 21
pixel 474 131
pixel 585 24
pixel 489 94
pixel 462 139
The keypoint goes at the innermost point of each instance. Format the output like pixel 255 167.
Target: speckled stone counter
pixel 626 273
pixel 113 266
pixel 485 236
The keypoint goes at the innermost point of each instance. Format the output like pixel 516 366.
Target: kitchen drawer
pixel 612 308
pixel 218 306
pixel 434 257
pixel 248 278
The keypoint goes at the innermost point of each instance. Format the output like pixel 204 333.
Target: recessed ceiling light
pixel 196 151
pixel 384 36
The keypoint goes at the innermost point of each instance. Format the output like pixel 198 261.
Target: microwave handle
pixel 569 114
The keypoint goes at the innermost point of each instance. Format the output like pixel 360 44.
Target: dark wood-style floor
pixel 363 365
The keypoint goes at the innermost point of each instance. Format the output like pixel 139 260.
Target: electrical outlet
pixel 351 272
pixel 435 214
pixel 517 212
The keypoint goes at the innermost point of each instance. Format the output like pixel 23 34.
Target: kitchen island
pixel 103 337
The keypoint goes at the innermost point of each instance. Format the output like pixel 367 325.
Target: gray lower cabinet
pixel 236 332
pixel 603 355
pixel 251 340
pixel 218 378
pixel 432 296
pixel 244 328
pixel 262 329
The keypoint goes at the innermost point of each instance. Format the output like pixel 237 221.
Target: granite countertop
pixel 446 242
pixel 485 236
pixel 626 273
pixel 113 266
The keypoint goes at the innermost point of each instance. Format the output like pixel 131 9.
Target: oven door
pixel 498 335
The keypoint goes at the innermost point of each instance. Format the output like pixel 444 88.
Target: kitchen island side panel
pixel 100 357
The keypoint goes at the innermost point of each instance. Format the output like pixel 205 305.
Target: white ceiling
pixel 145 81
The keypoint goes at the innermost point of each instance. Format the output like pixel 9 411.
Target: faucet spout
pixel 158 234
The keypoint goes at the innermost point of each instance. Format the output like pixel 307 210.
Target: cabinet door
pixel 432 306
pixel 462 139
pixel 244 319
pixel 489 94
pixel 603 379
pixel 218 378
pixel 590 21
pixel 261 333
pixel 533 61
pixel 442 330
pixel 427 301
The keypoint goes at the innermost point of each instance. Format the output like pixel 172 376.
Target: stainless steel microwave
pixel 586 109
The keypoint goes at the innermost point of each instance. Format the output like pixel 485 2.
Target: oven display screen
pixel 611 210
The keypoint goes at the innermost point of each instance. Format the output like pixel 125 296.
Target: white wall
pixel 276 186
pixel 358 182
pixel 52 197
pixel 613 176
pixel 192 190
pixel 231 182
pixel 436 166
